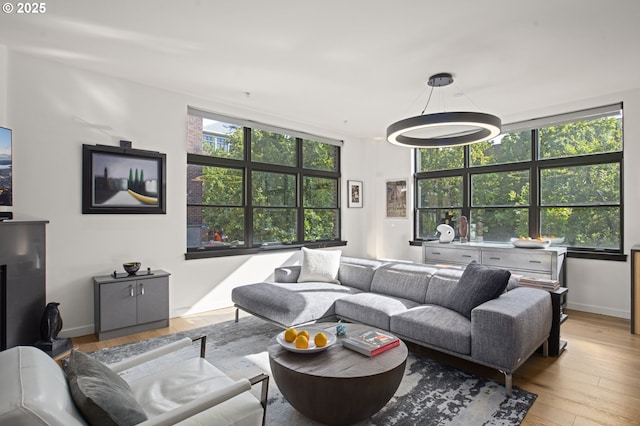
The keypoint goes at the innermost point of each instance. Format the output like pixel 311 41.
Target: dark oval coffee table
pixel 337 386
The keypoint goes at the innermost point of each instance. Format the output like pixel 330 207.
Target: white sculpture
pixel 446 233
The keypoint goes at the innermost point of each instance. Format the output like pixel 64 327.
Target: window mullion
pixel 299 192
pixel 534 189
pixel 248 210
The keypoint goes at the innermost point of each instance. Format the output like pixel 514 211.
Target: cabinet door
pixel 153 299
pixel 117 305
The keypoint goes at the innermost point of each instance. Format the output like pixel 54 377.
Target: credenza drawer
pixel 454 255
pixel 529 261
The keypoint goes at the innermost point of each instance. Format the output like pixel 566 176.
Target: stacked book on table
pixel 542 283
pixel 371 342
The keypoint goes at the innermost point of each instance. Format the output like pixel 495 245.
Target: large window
pixel 558 177
pixel 252 187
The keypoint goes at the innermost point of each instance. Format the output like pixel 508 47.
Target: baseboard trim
pixel 78 331
pixel 618 313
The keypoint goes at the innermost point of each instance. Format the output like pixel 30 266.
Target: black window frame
pixel 248 167
pixel 534 165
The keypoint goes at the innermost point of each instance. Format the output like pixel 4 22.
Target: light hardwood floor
pixel 595 381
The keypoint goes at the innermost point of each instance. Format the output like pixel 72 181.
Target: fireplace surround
pixel 22 281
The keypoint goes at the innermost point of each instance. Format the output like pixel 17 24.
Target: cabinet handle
pixel 494 258
pixel 435 252
pixel 141 288
pixel 131 292
pixel 466 255
pixel 535 261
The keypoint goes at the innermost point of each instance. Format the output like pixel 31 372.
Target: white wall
pixel 3 85
pixel 54 109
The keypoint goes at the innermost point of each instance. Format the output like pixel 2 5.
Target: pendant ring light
pixel 477 126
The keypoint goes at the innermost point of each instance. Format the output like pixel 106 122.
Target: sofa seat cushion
pixel 290 304
pixel 371 308
pixel 405 280
pixel 190 379
pixel 34 390
pixel 436 326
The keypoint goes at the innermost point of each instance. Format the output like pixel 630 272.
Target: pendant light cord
pixel 428 100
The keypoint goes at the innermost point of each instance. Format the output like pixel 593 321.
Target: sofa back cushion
pixel 287 274
pixel 357 273
pixel 441 285
pixel 513 283
pixel 405 280
pixel 34 390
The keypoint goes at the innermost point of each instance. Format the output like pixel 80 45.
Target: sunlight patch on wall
pixel 257 268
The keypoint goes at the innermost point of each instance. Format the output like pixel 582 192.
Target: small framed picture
pixel 396 195
pixel 354 192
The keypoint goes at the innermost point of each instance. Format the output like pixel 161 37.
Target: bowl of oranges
pixel 306 340
pixel 528 242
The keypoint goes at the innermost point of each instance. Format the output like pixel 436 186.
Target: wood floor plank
pixel 545 414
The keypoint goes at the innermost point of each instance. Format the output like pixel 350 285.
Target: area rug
pixel 431 393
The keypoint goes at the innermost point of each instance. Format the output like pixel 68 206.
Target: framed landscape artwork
pixel 354 193
pixel 396 196
pixel 6 182
pixel 122 180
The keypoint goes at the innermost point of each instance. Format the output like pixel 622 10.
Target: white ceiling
pixel 350 67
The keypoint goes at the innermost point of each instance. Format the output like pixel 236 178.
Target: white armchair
pixel 35 391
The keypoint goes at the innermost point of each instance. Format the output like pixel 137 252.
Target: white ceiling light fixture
pixel 443 129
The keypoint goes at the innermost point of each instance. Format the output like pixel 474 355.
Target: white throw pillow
pixel 320 265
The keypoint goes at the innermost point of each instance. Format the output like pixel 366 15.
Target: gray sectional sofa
pixel 417 302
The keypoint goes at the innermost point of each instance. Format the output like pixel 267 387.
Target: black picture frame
pixel 118 180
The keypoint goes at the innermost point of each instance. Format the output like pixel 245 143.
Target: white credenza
pixel 545 263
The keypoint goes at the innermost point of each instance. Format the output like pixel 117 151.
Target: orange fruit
pixel 320 339
pixel 290 334
pixel 304 333
pixel 302 342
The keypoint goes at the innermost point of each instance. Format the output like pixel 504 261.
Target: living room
pixel 75 106
pixel 56 98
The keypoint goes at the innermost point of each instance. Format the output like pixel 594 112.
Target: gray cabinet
pixel 130 304
pixel 547 263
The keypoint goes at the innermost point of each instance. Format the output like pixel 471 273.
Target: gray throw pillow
pixel 478 284
pixel 103 397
